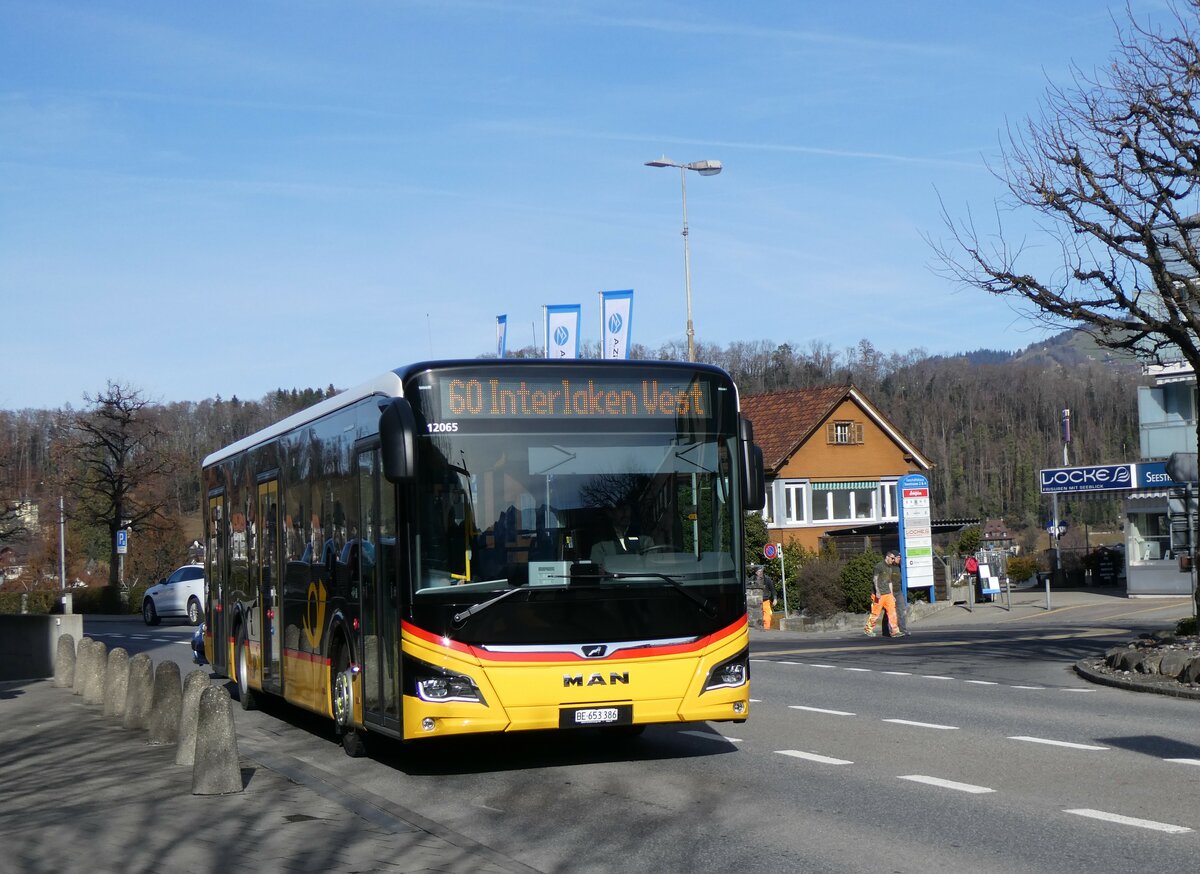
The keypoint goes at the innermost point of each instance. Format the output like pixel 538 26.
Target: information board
pixel 916 532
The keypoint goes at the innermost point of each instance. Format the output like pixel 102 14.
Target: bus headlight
pixel 440 686
pixel 730 674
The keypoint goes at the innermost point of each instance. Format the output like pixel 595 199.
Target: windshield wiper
pixel 460 618
pixel 708 608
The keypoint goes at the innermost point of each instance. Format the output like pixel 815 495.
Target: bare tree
pixel 1112 167
pixel 120 465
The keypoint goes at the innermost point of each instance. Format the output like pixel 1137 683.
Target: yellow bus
pixel 490 546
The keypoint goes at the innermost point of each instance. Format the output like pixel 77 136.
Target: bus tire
pixel 241 670
pixel 341 701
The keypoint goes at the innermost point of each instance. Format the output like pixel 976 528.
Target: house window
pixel 768 512
pixel 888 508
pixel 795 502
pixel 843 432
pixel 844 502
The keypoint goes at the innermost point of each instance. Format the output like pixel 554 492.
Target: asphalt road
pixel 957 749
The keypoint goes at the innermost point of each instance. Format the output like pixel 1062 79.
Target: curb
pixel 1089 673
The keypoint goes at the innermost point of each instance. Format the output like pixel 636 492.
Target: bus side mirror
pixel 397 439
pixel 753 484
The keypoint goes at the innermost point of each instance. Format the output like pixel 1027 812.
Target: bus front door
pixel 379 595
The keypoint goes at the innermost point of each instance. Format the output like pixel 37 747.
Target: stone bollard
pixel 217 768
pixel 141 692
pixel 64 662
pixel 93 684
pixel 81 657
pixel 166 703
pixel 194 685
pixel 116 682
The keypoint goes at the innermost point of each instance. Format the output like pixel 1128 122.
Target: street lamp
pixel 704 168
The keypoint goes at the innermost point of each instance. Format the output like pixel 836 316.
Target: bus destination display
pixel 468 397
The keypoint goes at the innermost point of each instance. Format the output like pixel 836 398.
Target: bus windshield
pixel 637 495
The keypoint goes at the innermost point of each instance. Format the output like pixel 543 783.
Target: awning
pixel 939 526
pixel 850 486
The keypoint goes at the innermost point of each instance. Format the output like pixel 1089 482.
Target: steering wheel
pixel 658 547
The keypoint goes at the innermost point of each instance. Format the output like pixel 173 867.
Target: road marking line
pixel 1029 687
pixel 822 666
pixel 981 682
pixel 859 670
pixel 821 710
pixel 947 784
pixel 931 644
pixel 922 724
pixel 897 673
pixel 708 735
pixel 1077 690
pixel 790 663
pixel 1129 820
pixel 935 677
pixel 756 701
pixel 1057 743
pixel 1184 761
pixel 813 757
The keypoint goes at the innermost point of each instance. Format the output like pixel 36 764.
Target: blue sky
pixel 203 199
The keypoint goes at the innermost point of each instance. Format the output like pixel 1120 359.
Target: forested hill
pixel 989 420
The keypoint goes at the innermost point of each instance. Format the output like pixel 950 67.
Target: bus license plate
pixel 578 717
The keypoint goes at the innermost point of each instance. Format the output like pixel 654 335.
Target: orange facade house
pixel 832 460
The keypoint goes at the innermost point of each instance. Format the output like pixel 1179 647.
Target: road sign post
pixel 771 550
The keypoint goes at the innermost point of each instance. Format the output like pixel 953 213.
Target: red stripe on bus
pixel 644 652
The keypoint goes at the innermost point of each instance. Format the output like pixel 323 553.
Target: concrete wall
pixel 29 644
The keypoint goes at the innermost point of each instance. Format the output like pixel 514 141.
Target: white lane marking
pixel 791 663
pixel 947 784
pixel 1029 687
pixel 756 701
pixel 935 677
pixel 923 724
pixel 822 666
pixel 813 757
pixel 1129 820
pixel 1057 743
pixel 859 670
pixel 981 682
pixel 1077 690
pixel 708 735
pixel 897 673
pixel 1184 761
pixel 820 710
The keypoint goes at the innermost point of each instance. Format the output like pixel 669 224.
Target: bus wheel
pixel 341 690
pixel 242 670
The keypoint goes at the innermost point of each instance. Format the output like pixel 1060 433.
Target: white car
pixel 179 595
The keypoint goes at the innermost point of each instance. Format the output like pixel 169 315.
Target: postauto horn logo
pixel 561 335
pixel 1108 477
pixel 614 323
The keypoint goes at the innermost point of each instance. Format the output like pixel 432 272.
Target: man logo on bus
pixel 561 335
pixel 614 323
pixel 614 679
pixel 595 651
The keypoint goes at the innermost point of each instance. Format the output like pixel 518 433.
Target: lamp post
pixel 704 168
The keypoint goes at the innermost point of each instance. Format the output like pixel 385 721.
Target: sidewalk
pixel 83 794
pixel 1067 607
